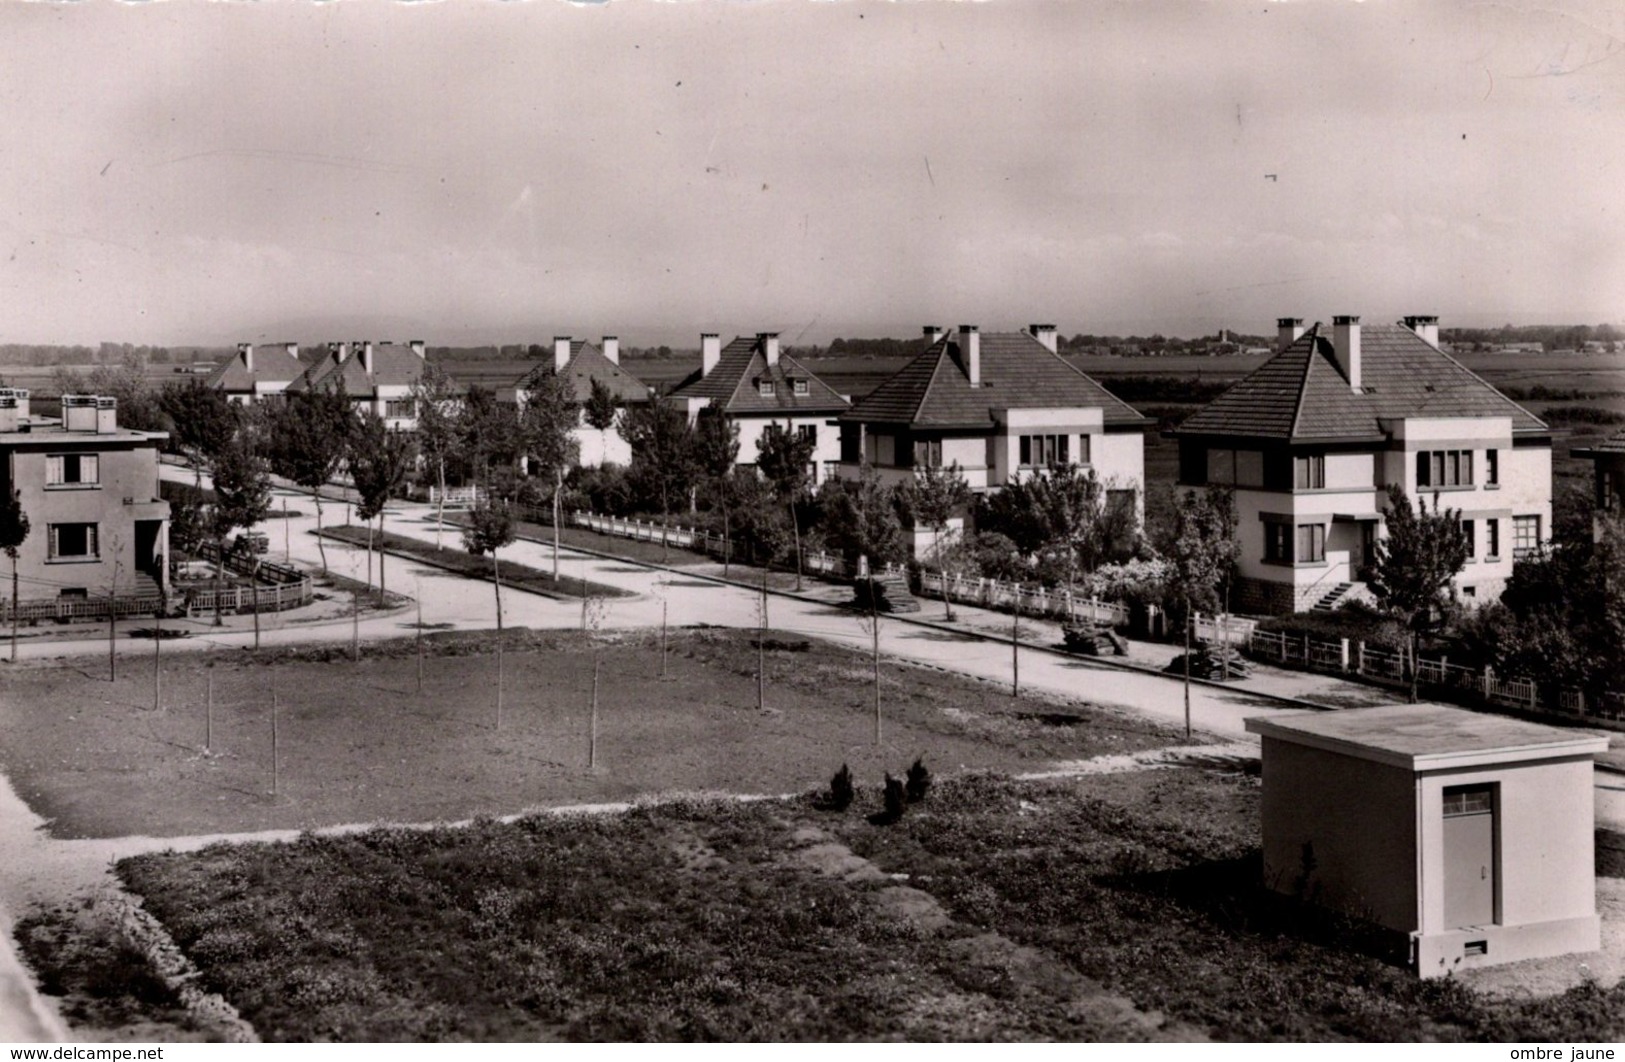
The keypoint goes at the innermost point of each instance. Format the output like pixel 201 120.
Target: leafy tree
pixel 716 452
pixel 379 462
pixel 664 464
pixel 547 428
pixel 1067 515
pixel 435 397
pixel 934 496
pixel 242 497
pixel 490 436
pixel 1415 563
pixel 784 458
pixel 13 533
pixel 490 527
pixel 188 517
pixel 204 422
pixel 1203 554
pixel 310 434
pixel 601 406
pixel 861 519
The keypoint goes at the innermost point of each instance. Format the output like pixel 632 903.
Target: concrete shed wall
pixel 1544 848
pixel 1360 817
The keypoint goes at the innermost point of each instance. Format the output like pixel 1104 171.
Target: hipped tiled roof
pixel 1302 394
pixel 1017 372
pixel 587 363
pixel 271 365
pixel 733 386
pixel 392 365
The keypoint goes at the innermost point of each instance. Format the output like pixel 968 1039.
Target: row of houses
pixel 1308 442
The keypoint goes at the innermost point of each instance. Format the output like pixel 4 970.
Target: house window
pixel 798 386
pixel 1492 539
pixel 400 407
pixel 808 432
pixel 73 542
pixel 1444 468
pixel 1525 536
pixel 1309 471
pixel 927 453
pixel 1492 468
pixel 1277 542
pixel 1083 449
pixel 72 470
pixel 1311 544
pixel 1043 451
pixel 1241 468
pixel 764 388
pixel 1472 540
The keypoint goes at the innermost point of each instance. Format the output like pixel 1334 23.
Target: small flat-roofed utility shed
pixel 1470 833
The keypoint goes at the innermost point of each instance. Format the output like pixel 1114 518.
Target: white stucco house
pixel 1004 406
pixel 754 384
pixel 377 376
pixel 582 363
pixel 1311 439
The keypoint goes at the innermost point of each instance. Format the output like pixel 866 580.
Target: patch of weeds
pixel 102 978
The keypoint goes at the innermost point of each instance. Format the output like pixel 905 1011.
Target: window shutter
pixel 53 470
pixel 56 544
pixel 90 541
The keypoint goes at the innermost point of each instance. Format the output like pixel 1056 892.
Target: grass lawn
pixel 1112 907
pixel 456 559
pixel 358 743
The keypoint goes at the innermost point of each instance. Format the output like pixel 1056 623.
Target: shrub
pixel 894 798
pixel 919 780
pixel 1354 621
pixel 841 792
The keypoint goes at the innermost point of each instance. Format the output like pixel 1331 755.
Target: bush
pixel 841 792
pixel 1354 621
pixel 894 802
pixel 919 780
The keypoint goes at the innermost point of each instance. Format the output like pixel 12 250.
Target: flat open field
pixel 358 743
pixel 1114 907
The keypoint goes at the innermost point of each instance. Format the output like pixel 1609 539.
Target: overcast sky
pixel 469 171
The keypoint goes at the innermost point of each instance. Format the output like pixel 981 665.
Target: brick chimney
pixel 612 349
pixel 1426 326
pixel 1045 334
pixel 292 350
pixel 245 351
pixel 106 415
pixel 1287 331
pixel 1346 347
pixel 769 342
pixel 418 347
pixel 561 352
pixel 933 335
pixel 710 352
pixel 364 351
pixel 79 412
pixel 970 349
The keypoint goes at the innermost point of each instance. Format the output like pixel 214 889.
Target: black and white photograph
pixel 809 521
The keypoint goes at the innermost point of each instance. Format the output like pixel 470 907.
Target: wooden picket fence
pixel 1438 676
pixel 1054 603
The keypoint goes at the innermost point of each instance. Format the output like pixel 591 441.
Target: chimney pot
pixel 970 349
pixel 612 349
pixel 1346 347
pixel 710 352
pixel 1426 326
pixel 1287 331
pixel 933 335
pixel 1045 334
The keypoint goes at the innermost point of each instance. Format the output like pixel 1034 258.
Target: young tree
pixel 547 426
pixel 1203 552
pixel 861 519
pixel 204 422
pixel 600 408
pixel 934 496
pixel 716 450
pixel 490 527
pixel 435 397
pixel 663 459
pixel 784 457
pixel 309 436
pixel 242 497
pixel 1415 563
pixel 379 461
pixel 13 533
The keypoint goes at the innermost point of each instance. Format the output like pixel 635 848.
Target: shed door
pixel 1469 856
